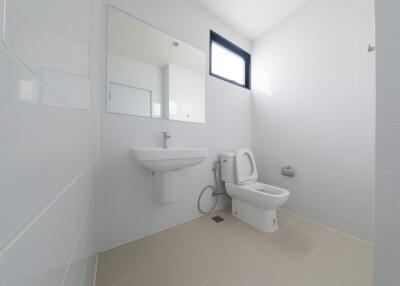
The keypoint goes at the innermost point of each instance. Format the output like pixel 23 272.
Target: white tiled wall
pixel 314 108
pixel 1 270
pixel 387 218
pixel 48 144
pixel 128 209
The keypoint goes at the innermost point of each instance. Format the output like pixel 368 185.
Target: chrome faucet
pixel 165 137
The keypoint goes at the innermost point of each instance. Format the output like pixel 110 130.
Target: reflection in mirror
pixel 152 74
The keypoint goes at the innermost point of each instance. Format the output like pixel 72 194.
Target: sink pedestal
pixel 167 186
pixel 166 165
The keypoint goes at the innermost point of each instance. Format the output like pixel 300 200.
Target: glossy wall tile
pixel 323 122
pixel 28 150
pixel 1 270
pixel 126 194
pixel 387 214
pixel 40 256
pixel 48 146
pixel 58 46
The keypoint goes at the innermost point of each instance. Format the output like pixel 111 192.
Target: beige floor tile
pixel 300 240
pixel 196 264
pixel 342 261
pixel 119 263
pixel 278 260
pixel 202 252
pixel 226 214
pixel 284 218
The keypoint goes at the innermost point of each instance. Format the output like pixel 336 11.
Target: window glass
pixel 229 62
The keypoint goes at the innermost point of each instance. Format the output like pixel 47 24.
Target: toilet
pixel 252 202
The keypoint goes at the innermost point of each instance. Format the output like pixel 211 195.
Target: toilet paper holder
pixel 288 171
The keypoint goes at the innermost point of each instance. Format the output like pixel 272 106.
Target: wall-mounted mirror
pixel 152 74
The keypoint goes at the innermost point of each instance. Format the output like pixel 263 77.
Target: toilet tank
pixel 228 171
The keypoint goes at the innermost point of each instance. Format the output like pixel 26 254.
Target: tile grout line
pixel 3 24
pixel 311 259
pixel 295 219
pixel 168 229
pixel 189 247
pixel 149 267
pixel 330 228
pixel 74 249
pixel 44 210
pixel 166 258
pixel 2 270
pixel 172 255
pixel 89 245
pixel 20 61
pixel 85 269
pixel 55 94
pixel 249 251
pixel 95 270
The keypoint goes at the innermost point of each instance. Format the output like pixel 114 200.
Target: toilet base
pixel 264 220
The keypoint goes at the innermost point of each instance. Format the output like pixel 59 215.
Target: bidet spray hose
pixel 215 190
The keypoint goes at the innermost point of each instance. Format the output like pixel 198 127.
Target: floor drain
pixel 217 218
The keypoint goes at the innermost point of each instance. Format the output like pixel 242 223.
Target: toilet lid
pixel 246 169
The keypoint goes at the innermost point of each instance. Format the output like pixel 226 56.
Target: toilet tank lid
pixel 228 155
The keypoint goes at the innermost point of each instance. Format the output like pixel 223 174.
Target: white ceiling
pixel 252 17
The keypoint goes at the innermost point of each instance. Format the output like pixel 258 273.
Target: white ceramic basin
pixel 171 159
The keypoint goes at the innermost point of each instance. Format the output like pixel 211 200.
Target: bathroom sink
pixel 171 159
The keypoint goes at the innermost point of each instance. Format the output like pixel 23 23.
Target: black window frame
pixel 218 39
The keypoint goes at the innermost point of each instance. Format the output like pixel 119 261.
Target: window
pixel 229 62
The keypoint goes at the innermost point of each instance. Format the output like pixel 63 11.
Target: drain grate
pixel 217 218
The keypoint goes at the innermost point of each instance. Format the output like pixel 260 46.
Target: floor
pixel 204 253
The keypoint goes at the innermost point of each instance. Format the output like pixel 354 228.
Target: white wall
pixel 387 214
pixel 57 50
pixel 128 209
pixel 186 94
pixel 48 148
pixel 314 108
pixel 129 72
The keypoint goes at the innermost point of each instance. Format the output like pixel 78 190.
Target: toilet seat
pixel 258 194
pixel 246 169
pixel 266 190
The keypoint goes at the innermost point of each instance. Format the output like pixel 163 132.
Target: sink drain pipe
pixel 215 191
